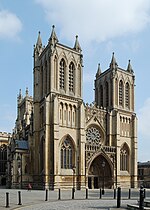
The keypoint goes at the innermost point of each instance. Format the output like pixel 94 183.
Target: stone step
pixel 147 203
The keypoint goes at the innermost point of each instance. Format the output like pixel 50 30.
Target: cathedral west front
pixel 61 142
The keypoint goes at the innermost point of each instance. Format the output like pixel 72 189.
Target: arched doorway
pixel 100 173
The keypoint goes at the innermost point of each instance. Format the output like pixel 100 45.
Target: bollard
pixel 73 190
pixel 141 204
pixel 144 193
pixel 86 193
pixel 19 198
pixel 46 195
pixel 7 200
pixel 103 191
pixel 100 193
pixel 114 193
pixel 129 197
pixel 59 196
pixel 118 197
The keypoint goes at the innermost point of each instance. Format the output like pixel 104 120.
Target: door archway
pixel 100 174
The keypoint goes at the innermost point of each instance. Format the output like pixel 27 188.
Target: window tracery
pixel 66 154
pixel 93 136
pixel 124 158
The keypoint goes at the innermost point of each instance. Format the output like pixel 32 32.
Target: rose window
pixel 93 136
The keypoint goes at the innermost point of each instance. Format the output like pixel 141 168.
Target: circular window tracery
pixel 93 136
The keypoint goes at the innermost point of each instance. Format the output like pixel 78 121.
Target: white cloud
pixel 10 25
pixel 144 120
pixel 97 20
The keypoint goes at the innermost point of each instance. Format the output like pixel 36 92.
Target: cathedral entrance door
pixel 100 174
pixel 95 182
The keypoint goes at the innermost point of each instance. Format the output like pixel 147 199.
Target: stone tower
pixel 58 113
pixel 114 91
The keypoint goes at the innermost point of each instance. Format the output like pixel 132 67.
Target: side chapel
pixel 63 142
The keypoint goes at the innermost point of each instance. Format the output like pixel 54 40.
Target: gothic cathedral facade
pixel 73 143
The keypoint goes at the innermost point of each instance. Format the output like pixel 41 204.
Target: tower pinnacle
pixel 53 38
pixel 77 45
pixel 98 71
pixel 129 68
pixel 113 64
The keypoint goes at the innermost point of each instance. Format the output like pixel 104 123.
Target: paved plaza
pixel 35 200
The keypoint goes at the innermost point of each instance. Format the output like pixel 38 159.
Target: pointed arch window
pixel 127 95
pixel 124 158
pixel 121 93
pixel 62 74
pixel 67 154
pixel 107 94
pixel 71 77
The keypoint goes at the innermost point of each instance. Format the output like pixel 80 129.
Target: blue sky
pixel 103 27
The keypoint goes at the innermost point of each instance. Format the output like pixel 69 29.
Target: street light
pixel 103 166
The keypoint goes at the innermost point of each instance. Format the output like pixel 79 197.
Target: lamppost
pixel 73 170
pixel 103 166
pixel 19 159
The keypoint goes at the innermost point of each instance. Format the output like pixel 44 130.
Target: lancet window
pixel 67 154
pixel 121 93
pixel 127 95
pixel 124 158
pixel 71 77
pixel 62 74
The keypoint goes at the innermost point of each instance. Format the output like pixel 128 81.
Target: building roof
pixel 144 164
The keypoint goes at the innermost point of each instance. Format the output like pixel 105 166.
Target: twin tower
pixel 74 144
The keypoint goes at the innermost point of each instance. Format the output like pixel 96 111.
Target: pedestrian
pixel 29 187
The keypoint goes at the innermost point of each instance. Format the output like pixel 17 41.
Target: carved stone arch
pixel 127 80
pixel 61 112
pixel 71 58
pixel 63 55
pixel 125 145
pixel 100 171
pixel 124 157
pixel 67 152
pixel 121 77
pixel 70 106
pixel 66 105
pixel 71 139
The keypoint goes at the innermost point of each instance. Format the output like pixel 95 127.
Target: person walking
pixel 29 187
